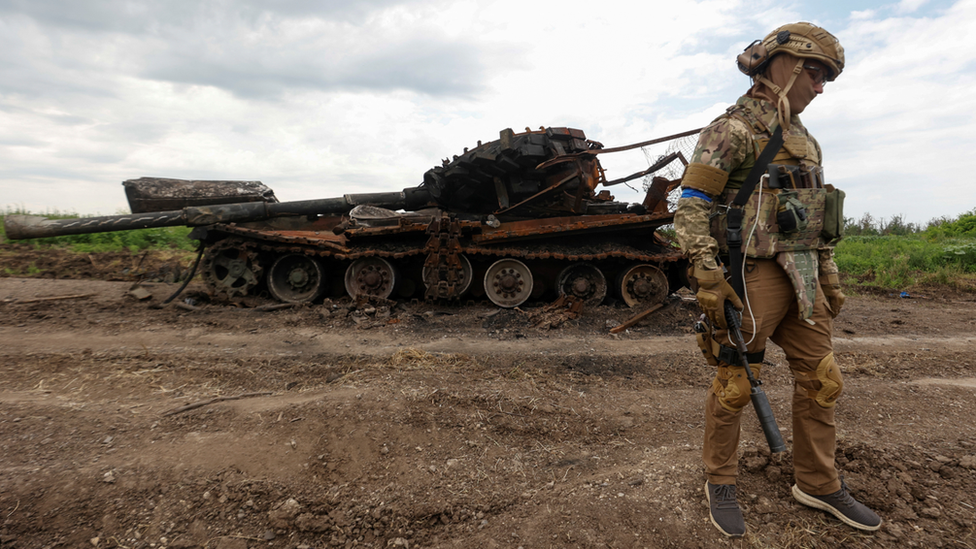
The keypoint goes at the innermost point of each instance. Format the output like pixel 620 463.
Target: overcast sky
pixel 318 98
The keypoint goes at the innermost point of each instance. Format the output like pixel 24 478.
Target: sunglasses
pixel 818 74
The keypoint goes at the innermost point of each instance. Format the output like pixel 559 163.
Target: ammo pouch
pixel 833 228
pixel 791 216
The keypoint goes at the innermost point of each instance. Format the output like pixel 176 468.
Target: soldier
pixel 789 290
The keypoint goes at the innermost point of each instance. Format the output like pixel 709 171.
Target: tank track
pixel 612 250
pixel 611 255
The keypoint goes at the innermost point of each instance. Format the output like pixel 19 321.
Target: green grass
pixel 174 238
pixel 893 254
pixel 896 262
pixel 32 270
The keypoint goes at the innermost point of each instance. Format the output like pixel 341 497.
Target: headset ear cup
pixel 752 59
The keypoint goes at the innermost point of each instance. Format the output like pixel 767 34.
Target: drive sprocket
pixel 232 268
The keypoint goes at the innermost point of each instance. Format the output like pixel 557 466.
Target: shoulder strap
pixel 759 168
pixel 736 213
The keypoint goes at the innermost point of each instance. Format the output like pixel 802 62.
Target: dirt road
pixel 422 426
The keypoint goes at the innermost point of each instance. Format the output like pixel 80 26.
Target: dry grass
pixel 415 359
pixel 802 533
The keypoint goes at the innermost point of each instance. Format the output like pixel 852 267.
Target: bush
pixel 961 253
pixel 869 226
pixel 964 225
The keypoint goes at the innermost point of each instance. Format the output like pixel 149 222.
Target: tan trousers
pixel 775 316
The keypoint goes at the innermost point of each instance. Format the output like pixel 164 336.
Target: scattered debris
pixel 139 292
pixel 566 307
pixel 275 307
pixel 636 318
pixel 202 403
pixel 53 298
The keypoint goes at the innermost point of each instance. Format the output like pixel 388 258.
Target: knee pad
pixel 732 388
pixel 831 382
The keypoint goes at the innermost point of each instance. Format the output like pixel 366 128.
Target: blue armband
pixel 695 193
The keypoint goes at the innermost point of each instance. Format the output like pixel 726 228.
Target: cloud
pixel 861 15
pixel 321 98
pixel 423 65
pixel 902 109
pixel 148 16
pixel 909 6
pixel 244 48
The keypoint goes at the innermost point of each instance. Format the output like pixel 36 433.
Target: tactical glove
pixel 830 285
pixel 713 290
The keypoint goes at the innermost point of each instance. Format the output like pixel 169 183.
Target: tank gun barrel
pixel 19 227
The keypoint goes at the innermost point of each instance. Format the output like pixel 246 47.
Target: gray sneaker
pixel 724 510
pixel 843 506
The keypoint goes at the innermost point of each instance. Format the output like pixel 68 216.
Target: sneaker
pixel 843 506
pixel 724 510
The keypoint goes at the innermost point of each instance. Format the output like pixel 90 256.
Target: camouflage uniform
pixel 783 302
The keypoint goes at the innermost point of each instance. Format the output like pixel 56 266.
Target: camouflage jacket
pixel 731 143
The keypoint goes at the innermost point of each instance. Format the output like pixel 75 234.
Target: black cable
pixel 193 272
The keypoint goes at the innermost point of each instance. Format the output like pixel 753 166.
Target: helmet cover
pixel 799 39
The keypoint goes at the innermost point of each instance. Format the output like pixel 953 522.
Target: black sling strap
pixel 736 213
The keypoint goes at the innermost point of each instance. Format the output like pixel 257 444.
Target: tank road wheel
pixel 584 281
pixel 643 285
pixel 467 275
pixel 231 268
pixel 371 276
pixel 508 283
pixel 296 278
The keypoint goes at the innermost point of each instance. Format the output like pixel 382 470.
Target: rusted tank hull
pixel 512 220
pixel 440 257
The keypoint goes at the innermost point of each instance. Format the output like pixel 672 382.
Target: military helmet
pixel 800 39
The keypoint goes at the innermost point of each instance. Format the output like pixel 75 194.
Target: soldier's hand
pixel 833 293
pixel 713 290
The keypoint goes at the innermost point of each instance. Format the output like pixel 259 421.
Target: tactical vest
pixel 793 186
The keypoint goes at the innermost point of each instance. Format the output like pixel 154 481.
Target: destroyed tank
pixel 516 219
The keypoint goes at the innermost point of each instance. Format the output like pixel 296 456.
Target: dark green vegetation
pixel 962 226
pixel 897 255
